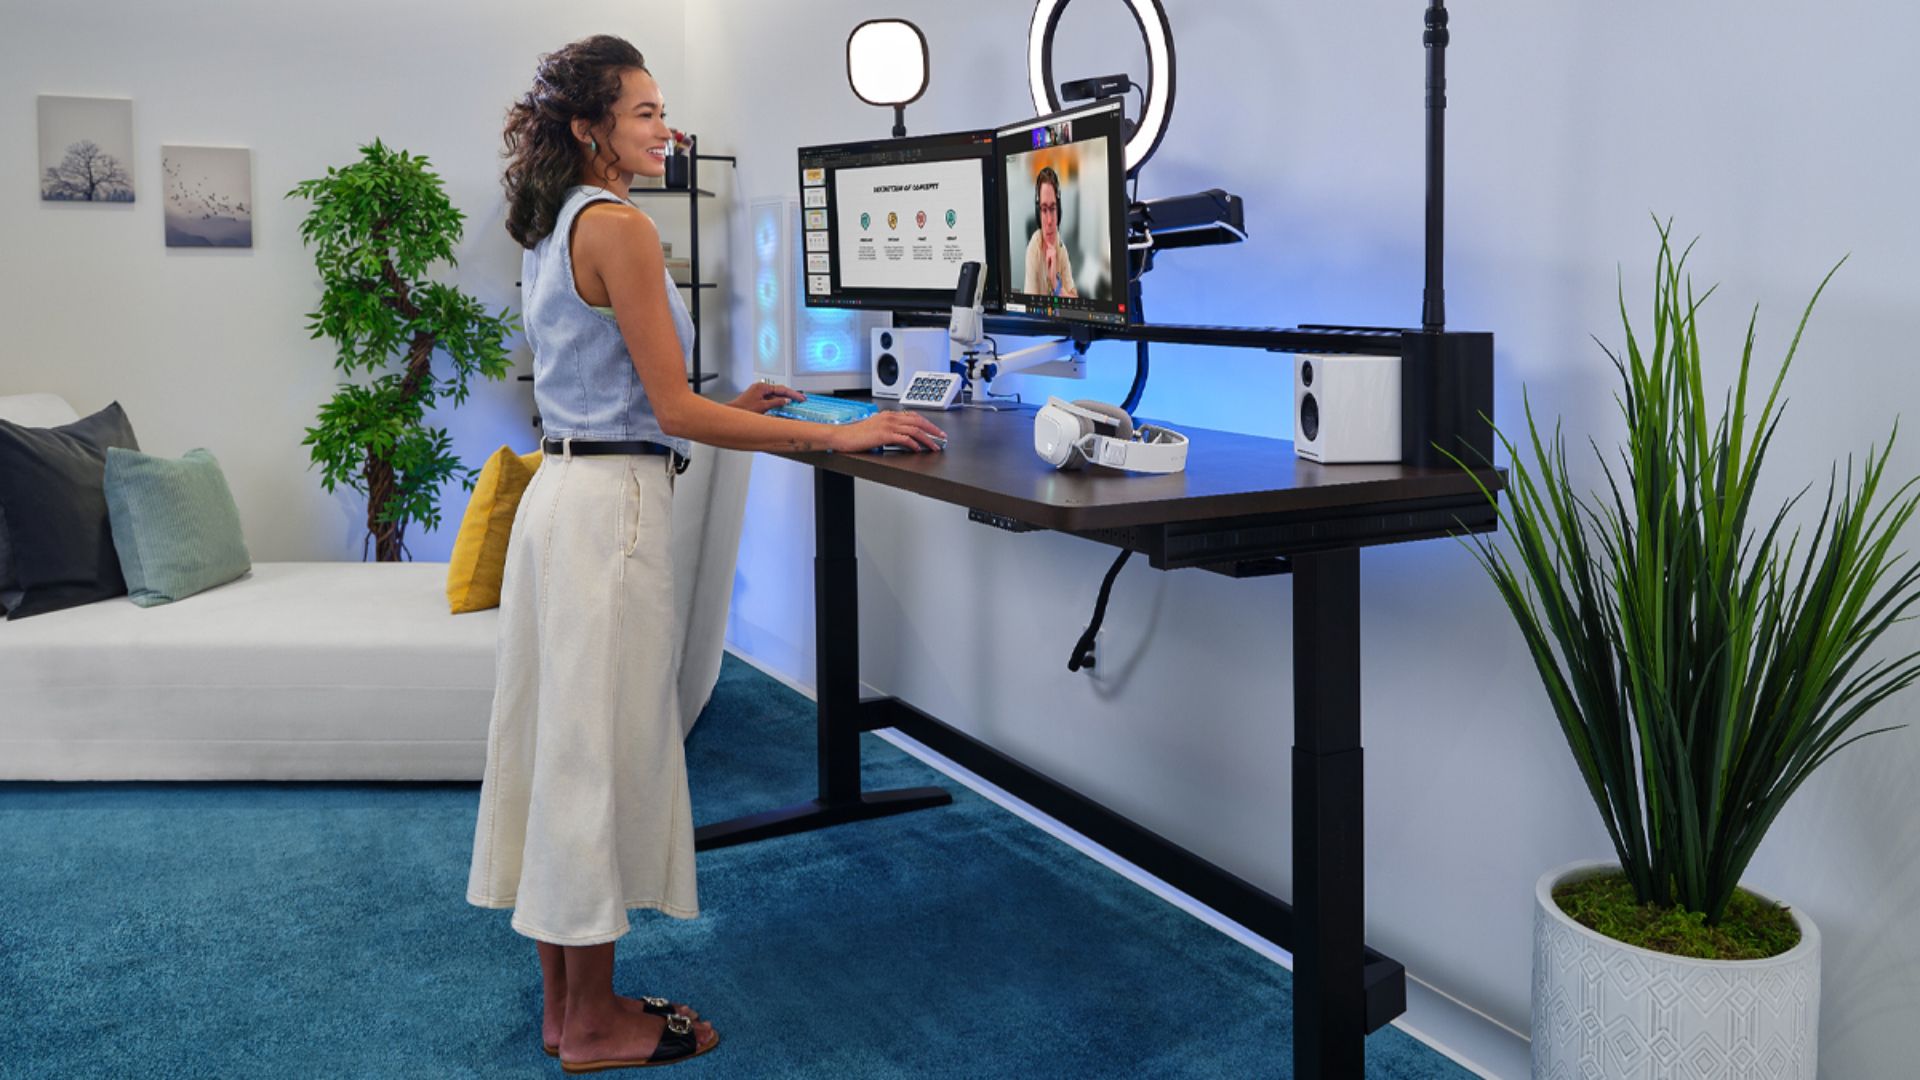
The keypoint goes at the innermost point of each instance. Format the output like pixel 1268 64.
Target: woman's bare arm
pixel 616 250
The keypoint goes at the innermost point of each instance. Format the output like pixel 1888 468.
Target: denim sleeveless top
pixel 583 379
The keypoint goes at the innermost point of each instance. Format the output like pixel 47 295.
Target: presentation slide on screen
pixel 908 226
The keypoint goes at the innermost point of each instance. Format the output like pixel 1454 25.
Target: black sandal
pixel 658 1006
pixel 677 1043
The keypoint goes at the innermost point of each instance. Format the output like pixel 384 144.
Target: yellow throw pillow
pixel 480 551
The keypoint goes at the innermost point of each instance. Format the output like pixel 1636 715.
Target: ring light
pixel 1159 38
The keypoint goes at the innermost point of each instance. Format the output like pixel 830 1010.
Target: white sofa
pixel 307 671
pixel 297 671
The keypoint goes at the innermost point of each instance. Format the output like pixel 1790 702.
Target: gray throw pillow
pixel 56 512
pixel 175 525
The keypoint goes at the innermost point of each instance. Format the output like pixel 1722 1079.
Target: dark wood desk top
pixel 989 465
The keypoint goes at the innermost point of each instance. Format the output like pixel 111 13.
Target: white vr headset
pixel 1068 435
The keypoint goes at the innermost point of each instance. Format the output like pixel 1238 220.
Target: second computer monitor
pixel 1063 239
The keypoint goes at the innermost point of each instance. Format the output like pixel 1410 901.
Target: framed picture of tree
pixel 86 149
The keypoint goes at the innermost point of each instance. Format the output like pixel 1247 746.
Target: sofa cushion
pixel 27 410
pixel 53 494
pixel 479 559
pixel 175 526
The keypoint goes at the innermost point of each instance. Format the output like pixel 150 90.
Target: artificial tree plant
pixel 1700 668
pixel 375 228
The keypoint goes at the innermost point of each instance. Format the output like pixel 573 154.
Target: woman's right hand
pixel 904 428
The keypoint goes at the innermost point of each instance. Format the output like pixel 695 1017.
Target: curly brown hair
pixel 578 82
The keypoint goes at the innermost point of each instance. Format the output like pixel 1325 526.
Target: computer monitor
pixel 1063 235
pixel 888 222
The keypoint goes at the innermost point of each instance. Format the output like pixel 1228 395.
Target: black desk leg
pixel 836 636
pixel 1329 996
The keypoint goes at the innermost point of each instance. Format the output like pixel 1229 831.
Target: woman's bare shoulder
pixel 616 217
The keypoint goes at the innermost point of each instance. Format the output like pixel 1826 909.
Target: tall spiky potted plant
pixel 375 228
pixel 1703 658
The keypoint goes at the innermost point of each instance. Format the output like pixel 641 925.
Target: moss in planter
pixel 1753 929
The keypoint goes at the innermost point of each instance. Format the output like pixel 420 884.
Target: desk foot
pixel 815 814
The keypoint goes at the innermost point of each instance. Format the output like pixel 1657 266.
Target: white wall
pixel 1769 133
pixel 209 348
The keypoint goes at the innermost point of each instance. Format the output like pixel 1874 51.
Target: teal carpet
pixel 320 930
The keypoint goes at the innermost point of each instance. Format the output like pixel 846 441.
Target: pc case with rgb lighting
pixel 810 349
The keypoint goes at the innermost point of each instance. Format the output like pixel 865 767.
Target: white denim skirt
pixel 584 811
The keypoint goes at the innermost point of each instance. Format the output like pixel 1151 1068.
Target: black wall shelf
pixel 693 193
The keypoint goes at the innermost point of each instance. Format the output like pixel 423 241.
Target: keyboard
pixel 826 410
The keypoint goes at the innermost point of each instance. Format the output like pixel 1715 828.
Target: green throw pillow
pixel 175 526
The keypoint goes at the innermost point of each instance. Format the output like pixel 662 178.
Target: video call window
pixel 1064 248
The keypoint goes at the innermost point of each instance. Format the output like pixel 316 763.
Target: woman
pixel 1049 271
pixel 583 808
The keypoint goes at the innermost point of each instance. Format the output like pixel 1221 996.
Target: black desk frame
pixel 1342 989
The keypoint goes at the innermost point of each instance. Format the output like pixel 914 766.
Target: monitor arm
pixel 1061 357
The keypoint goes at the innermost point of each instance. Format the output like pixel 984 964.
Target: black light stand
pixel 1434 310
pixel 1446 378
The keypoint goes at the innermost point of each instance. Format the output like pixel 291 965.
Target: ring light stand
pixel 1159 93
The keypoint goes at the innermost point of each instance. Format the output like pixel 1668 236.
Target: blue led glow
pixel 829 345
pixel 766 235
pixel 829 354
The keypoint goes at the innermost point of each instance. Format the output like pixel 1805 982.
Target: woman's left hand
pixel 762 397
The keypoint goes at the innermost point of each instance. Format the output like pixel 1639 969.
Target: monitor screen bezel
pixel 979 142
pixel 1016 303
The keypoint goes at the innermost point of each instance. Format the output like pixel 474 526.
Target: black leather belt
pixel 600 446
pixel 591 446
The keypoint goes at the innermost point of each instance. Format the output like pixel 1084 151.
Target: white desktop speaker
pixel 1346 409
pixel 899 352
pixel 810 349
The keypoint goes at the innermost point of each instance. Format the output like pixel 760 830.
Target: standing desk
pixel 1244 507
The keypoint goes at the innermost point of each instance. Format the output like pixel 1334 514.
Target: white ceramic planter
pixel 1605 1010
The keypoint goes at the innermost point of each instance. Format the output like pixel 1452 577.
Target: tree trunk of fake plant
pixel 389 537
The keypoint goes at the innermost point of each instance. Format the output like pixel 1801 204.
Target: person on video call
pixel 1049 273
